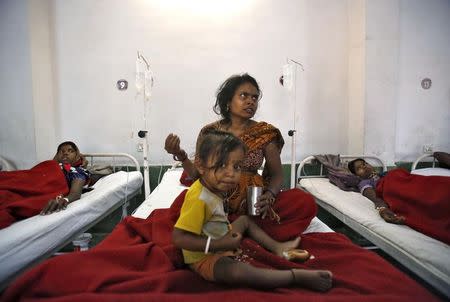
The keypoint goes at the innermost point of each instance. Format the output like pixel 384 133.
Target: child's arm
pixel 190 241
pixel 382 207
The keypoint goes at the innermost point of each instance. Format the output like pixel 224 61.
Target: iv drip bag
pixel 288 76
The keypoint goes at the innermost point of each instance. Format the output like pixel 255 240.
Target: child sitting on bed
pixel 71 162
pixel 367 185
pixel 210 243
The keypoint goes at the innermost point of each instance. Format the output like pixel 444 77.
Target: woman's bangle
pixel 181 158
pixel 380 208
pixel 208 241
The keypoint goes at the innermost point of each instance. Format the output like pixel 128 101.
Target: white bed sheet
pixel 432 172
pixel 170 187
pixel 427 257
pixel 28 241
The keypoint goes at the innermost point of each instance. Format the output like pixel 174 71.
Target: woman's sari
pixel 292 210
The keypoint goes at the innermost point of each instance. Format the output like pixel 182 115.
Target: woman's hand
pixel 172 144
pixel 264 202
pixel 230 242
pixel 391 217
pixel 55 205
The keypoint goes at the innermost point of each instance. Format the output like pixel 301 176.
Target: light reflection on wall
pixel 210 9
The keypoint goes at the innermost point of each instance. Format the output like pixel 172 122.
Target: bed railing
pixel 114 164
pixel 376 161
pixel 421 158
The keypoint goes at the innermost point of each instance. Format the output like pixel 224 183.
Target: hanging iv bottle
pixel 140 76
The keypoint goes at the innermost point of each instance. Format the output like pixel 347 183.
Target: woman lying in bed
pixel 72 164
pixel 367 185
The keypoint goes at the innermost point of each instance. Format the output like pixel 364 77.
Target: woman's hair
pixel 351 164
pixel 226 92
pixel 218 144
pixel 72 144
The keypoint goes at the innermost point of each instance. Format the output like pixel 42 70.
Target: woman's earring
pixel 228 107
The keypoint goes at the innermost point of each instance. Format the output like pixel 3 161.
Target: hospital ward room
pixel 225 150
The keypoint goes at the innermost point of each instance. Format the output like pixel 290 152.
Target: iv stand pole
pixel 292 132
pixel 144 134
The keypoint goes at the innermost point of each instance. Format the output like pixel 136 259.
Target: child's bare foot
pixel 286 246
pixel 315 280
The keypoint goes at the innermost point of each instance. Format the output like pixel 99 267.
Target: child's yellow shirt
pixel 203 214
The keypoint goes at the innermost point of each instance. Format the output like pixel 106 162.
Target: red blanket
pixel 24 193
pixel 137 262
pixel 423 200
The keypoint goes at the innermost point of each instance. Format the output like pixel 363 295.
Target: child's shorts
pixel 205 267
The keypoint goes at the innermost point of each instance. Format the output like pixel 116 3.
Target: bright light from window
pixel 212 8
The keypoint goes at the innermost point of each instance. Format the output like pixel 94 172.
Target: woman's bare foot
pixel 313 279
pixel 286 246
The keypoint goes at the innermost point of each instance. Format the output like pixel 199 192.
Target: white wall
pixel 17 141
pixel 423 116
pixel 363 60
pixel 191 54
pixel 407 40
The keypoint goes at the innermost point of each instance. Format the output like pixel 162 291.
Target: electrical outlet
pixel 428 149
pixel 140 147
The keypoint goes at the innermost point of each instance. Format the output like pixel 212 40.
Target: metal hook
pixel 298 63
pixel 143 59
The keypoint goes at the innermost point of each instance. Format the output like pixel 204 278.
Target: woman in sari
pixel 282 214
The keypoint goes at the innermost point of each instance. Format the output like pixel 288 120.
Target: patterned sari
pixel 293 207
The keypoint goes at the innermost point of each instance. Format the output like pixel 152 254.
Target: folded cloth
pixel 338 175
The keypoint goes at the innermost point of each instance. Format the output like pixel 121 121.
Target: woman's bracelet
pixel 380 208
pixel 181 158
pixel 208 241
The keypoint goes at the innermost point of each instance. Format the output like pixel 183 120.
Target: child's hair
pixel 72 144
pixel 351 164
pixel 219 144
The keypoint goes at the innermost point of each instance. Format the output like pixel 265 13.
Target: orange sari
pixel 293 207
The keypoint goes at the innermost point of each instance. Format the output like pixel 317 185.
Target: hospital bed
pixel 170 187
pixel 27 242
pixel 150 267
pixel 425 256
pixel 433 170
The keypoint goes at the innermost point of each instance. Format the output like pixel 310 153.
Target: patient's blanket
pixel 137 262
pixel 423 200
pixel 24 193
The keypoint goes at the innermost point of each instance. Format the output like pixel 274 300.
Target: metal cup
pixel 252 198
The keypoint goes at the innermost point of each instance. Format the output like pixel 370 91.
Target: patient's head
pixel 229 91
pixel 360 168
pixel 68 153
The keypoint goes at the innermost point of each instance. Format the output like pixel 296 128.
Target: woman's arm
pixel 382 207
pixel 273 164
pixel 172 146
pixel 61 202
pixel 192 242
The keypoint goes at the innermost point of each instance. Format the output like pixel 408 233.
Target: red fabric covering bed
pixel 423 200
pixel 137 262
pixel 24 193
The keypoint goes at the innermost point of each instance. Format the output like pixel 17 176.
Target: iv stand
pixel 292 133
pixel 144 133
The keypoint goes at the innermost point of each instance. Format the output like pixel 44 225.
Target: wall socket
pixel 427 149
pixel 140 147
